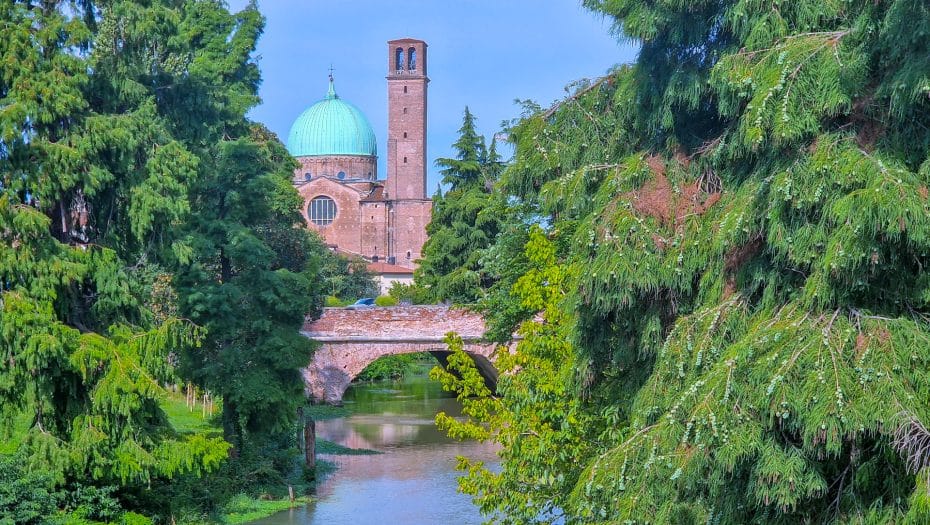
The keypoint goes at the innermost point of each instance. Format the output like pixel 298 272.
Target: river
pixel 413 481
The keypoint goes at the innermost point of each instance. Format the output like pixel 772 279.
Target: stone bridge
pixel 352 339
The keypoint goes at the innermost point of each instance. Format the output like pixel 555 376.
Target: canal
pixel 413 480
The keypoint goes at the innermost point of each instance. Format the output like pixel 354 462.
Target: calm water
pixel 412 482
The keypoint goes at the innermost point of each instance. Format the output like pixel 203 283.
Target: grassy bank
pixel 243 509
pixel 263 502
pixel 256 503
pixel 190 496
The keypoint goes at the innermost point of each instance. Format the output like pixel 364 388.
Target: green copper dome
pixel 332 126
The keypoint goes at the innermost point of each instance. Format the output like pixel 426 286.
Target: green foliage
pixel 91 185
pixel 390 367
pixel 332 301
pixel 235 280
pixel 322 412
pixel 132 191
pixel 244 509
pixel 385 300
pixel 543 428
pixel 463 223
pixel 344 277
pixel 24 496
pixel 742 222
pixel 409 293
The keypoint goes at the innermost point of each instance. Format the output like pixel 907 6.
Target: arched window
pixel 399 58
pixel 412 59
pixel 341 175
pixel 322 210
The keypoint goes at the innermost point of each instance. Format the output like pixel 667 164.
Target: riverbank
pixel 260 502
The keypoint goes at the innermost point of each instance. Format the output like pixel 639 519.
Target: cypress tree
pixel 462 224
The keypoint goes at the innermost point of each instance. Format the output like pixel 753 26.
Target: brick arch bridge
pixel 353 339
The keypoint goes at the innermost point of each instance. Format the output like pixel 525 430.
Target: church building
pixel 356 213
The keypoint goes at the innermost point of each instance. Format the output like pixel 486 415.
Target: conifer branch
pixel 574 97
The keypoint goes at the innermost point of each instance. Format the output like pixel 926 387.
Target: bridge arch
pixel 352 339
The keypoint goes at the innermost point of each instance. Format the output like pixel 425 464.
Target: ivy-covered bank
pixel 729 255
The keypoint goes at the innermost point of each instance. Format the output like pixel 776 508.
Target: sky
pixel 482 54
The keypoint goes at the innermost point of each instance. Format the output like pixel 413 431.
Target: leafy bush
pixel 385 300
pixel 388 367
pixel 409 293
pixel 24 497
pixel 332 301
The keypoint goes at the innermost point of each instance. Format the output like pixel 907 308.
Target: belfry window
pixel 412 59
pixel 399 58
pixel 322 210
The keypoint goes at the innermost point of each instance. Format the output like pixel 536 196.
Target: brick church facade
pixel 356 213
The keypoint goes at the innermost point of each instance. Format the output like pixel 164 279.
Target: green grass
pixel 242 508
pixel 187 421
pixel 328 447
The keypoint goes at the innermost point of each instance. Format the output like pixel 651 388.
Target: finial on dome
pixel 331 94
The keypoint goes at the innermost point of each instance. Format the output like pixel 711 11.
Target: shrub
pixel 385 300
pixel 333 301
pixel 409 293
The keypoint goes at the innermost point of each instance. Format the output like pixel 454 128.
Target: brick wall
pixel 407 105
pixel 354 166
pixel 344 231
pixel 413 323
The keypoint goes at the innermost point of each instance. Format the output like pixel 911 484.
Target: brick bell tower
pixel 406 147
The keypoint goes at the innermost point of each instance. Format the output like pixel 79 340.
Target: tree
pixel 462 225
pixel 84 359
pixel 743 218
pixel 345 277
pixel 251 306
pixel 120 120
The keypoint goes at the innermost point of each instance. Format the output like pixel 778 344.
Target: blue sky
pixel 482 54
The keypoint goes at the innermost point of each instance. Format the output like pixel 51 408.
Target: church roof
pixel 331 126
pixel 381 268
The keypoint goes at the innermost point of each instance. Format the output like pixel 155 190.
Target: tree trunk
pixel 310 442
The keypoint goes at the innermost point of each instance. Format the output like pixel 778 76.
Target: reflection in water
pixel 412 482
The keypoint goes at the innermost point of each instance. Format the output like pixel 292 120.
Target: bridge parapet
pixel 395 323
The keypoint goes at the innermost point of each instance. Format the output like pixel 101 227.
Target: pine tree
pixel 462 224
pixel 744 221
